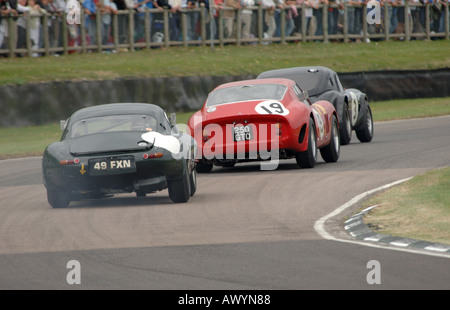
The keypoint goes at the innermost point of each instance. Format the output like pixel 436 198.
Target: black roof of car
pixel 313 79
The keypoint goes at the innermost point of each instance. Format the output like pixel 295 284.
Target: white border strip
pixel 319 225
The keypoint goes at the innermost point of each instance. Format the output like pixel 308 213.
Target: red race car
pixel 263 120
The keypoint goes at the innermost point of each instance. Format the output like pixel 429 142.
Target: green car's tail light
pixel 152 155
pixel 69 162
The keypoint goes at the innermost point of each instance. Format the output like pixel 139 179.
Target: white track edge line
pixel 319 225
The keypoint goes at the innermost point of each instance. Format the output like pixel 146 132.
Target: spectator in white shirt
pixel 270 6
pixel 246 18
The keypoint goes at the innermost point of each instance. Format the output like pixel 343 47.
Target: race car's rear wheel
pixel 203 167
pixel 180 190
pixel 58 199
pixel 365 131
pixel 141 194
pixel 331 152
pixel 308 158
pixel 346 128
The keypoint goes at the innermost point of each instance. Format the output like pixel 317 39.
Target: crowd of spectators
pixel 12 15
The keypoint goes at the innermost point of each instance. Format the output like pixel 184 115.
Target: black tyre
pixel 203 167
pixel 193 181
pixel 346 128
pixel 308 158
pixel 365 131
pixel 331 152
pixel 58 199
pixel 140 194
pixel 180 190
pixel 229 164
pixel 191 164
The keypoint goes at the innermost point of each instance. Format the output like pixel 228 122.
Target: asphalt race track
pixel 244 228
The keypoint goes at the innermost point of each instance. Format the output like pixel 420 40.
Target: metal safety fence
pixel 50 34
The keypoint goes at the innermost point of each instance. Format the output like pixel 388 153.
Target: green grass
pixel 418 208
pixel 27 141
pixel 228 60
pixel 407 108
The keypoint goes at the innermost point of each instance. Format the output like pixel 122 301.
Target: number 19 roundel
pixel 271 107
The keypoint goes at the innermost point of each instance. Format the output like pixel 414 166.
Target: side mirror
pixel 173 119
pixel 305 95
pixel 62 125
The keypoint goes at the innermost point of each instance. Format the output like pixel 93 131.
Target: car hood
pixel 108 142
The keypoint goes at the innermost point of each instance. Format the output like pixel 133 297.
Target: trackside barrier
pixel 155 28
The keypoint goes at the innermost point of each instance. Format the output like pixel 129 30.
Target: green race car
pixel 119 148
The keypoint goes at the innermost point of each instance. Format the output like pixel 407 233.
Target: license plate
pixel 112 165
pixel 243 133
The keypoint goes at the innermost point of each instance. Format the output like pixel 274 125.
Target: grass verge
pixel 418 208
pixel 407 108
pixel 27 141
pixel 228 60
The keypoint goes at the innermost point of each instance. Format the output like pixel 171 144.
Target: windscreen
pixel 308 82
pixel 246 93
pixel 113 123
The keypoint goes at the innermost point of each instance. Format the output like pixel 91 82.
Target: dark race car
pixel 322 83
pixel 119 148
pixel 263 120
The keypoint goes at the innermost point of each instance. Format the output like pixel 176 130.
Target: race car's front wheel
pixel 58 199
pixel 331 152
pixel 365 131
pixel 308 158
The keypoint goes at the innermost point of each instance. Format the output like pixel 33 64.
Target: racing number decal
pixel 271 107
pixel 319 118
pixel 354 108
